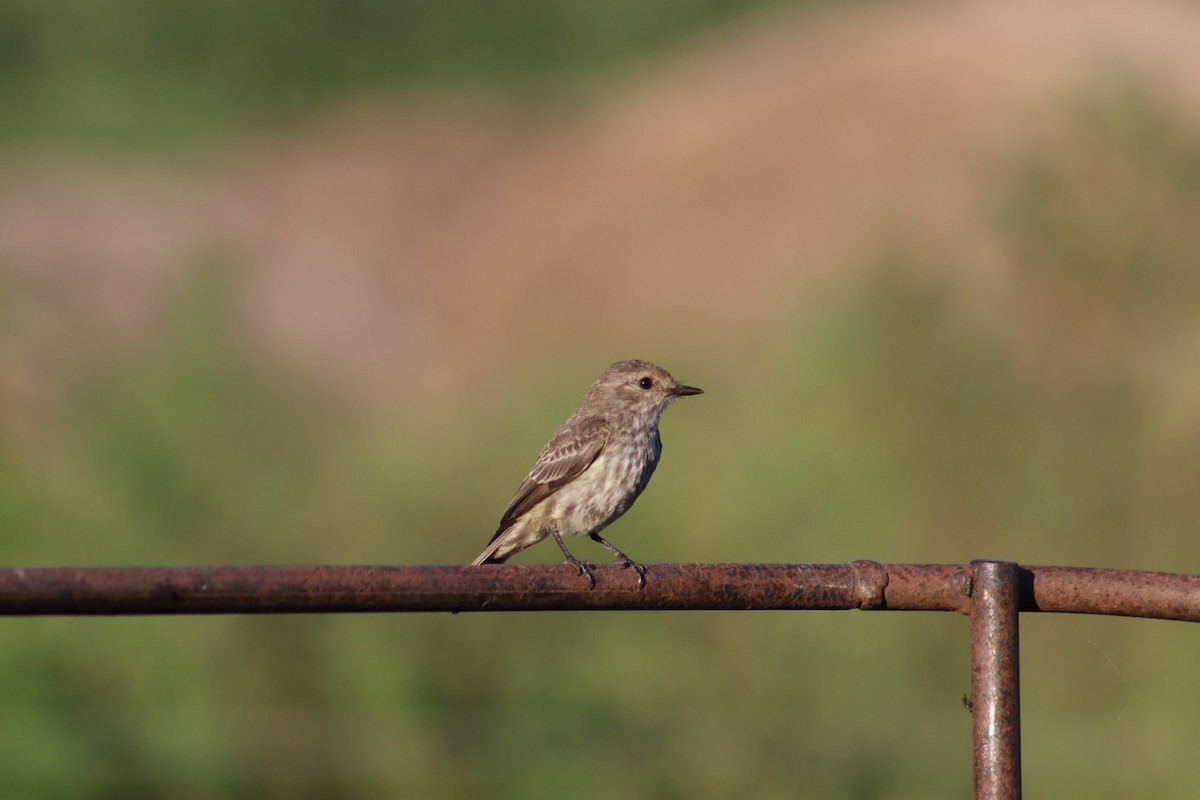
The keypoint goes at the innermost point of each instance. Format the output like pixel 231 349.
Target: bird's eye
pixel 646 382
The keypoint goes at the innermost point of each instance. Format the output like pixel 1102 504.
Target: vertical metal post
pixel 995 680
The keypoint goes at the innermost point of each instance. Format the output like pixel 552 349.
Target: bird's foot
pixel 626 561
pixel 583 568
pixel 622 559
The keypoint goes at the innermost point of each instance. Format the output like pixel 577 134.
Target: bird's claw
pixel 583 568
pixel 587 568
pixel 638 568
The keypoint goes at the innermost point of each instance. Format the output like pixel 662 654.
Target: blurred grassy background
pixel 145 74
pixel 1026 391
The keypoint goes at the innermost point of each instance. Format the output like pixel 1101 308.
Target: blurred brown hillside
pixel 393 253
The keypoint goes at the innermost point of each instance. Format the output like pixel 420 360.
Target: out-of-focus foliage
pixel 75 71
pixel 890 421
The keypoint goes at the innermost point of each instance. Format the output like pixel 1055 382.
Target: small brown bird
pixel 593 467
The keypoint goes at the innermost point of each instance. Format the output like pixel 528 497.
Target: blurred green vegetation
pixel 138 73
pixel 891 420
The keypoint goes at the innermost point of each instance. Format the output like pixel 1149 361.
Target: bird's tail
pixel 489 556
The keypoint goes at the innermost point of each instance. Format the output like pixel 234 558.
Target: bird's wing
pixel 568 453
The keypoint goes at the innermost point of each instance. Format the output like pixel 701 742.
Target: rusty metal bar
pixel 309 589
pixel 1116 592
pixel 306 589
pixel 995 679
pixel 992 593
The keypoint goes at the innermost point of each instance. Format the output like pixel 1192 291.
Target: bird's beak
pixel 683 391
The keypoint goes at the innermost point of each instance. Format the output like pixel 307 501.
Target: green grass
pixel 132 74
pixel 899 424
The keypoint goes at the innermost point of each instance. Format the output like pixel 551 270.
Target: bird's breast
pixel 605 490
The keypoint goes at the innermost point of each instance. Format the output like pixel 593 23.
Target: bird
pixel 593 468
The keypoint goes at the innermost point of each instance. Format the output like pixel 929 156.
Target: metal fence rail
pixel 991 593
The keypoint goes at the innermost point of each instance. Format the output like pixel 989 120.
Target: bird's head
pixel 640 387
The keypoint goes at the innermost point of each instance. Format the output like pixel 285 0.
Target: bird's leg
pixel 625 560
pixel 584 567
